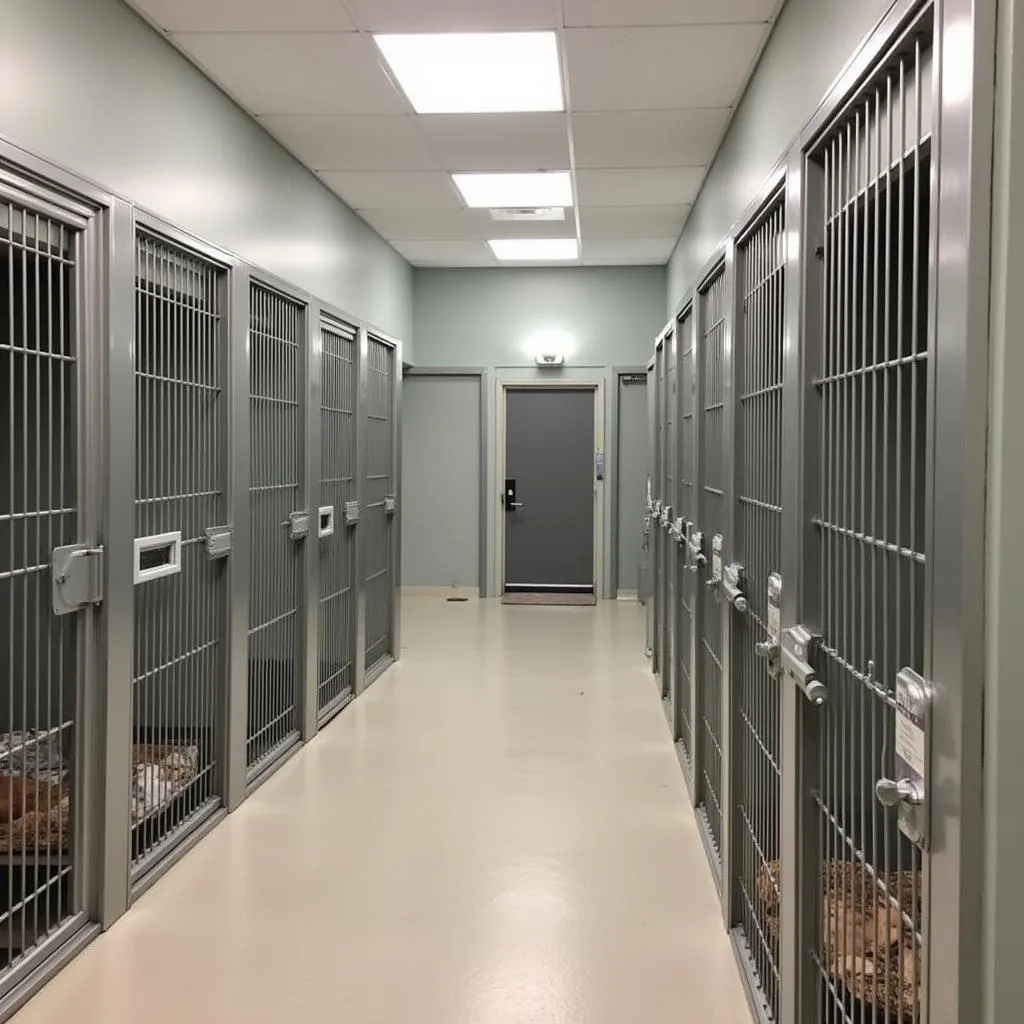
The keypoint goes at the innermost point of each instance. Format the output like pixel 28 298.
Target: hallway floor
pixel 496 832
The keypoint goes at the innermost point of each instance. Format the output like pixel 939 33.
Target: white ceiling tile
pixel 394 190
pixel 353 143
pixel 660 68
pixel 498 142
pixel 435 224
pixel 632 221
pixel 453 15
pixel 297 73
pixel 247 15
pixel 587 13
pixel 660 186
pixel 445 253
pixel 612 250
pixel 648 139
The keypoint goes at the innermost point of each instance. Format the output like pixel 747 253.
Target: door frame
pixel 596 386
pixel 479 372
pixel 612 469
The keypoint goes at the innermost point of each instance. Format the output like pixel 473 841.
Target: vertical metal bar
pixel 363 533
pixel 309 397
pixel 396 490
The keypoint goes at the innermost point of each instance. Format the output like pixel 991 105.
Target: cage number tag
pixel 910 733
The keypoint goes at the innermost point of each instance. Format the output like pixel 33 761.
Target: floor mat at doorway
pixel 550 599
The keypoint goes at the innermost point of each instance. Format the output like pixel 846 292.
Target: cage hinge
pixel 298 525
pixel 390 505
pixel 218 541
pixel 351 513
pixel 76 577
pixel 799 647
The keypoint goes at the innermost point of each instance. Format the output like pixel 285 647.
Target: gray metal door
pixel 279 522
pixel 180 586
pixel 706 557
pixel 377 529
pixel 336 629
pixel 669 549
pixel 658 518
pixel 685 512
pixel 46 667
pixel 549 462
pixel 861 661
pixel 756 411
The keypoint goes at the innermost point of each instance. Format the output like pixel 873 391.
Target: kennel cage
pixel 380 505
pixel 658 509
pixel 280 524
pixel 338 511
pixel 667 660
pixel 179 572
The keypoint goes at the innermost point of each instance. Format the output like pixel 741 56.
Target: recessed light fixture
pixel 476 72
pixel 506 191
pixel 535 250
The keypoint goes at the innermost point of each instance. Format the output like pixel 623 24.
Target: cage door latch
pixel 298 525
pixel 799 646
pixel 390 505
pixel 732 587
pixel 76 573
pixel 218 541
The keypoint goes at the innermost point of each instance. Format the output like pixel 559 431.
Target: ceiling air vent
pixel 529 213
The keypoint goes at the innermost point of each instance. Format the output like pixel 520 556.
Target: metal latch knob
pixel 816 692
pixel 740 604
pixel 767 649
pixel 892 793
pixel 712 583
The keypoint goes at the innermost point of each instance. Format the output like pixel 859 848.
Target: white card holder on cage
pixel 157 556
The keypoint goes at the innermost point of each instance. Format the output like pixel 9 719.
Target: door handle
pixel 514 504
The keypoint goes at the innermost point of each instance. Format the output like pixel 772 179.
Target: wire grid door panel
pixel 871 414
pixel 277 328
pixel 336 629
pixel 668 490
pixel 686 460
pixel 758 369
pixel 711 521
pixel 41 660
pixel 660 500
pixel 180 493
pixel 379 518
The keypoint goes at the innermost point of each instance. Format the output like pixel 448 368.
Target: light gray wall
pixel 811 43
pixel 1004 694
pixel 631 478
pixel 89 85
pixel 499 319
pixel 441 481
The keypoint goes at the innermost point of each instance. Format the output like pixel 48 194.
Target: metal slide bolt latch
pixel 892 793
pixel 677 531
pixel 666 516
pixel 799 647
pixel 732 587
pixel 696 546
pixel 714 583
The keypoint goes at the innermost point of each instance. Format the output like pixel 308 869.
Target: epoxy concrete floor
pixel 495 833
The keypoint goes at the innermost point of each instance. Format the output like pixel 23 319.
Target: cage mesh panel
pixel 180 471
pixel 686 459
pixel 871 414
pixel 39 323
pixel 379 483
pixel 668 657
pixel 276 349
pixel 711 520
pixel 759 375
pixel 337 486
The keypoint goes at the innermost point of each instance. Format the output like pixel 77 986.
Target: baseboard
pixel 627 595
pixel 461 593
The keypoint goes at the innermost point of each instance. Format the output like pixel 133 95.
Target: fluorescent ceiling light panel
pixel 534 249
pixel 476 72
pixel 515 191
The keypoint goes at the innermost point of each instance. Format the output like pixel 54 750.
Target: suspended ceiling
pixel 649 89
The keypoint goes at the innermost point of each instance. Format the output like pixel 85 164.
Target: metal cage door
pixel 280 522
pixel 380 505
pixel 669 551
pixel 859 653
pixel 753 581
pixel 50 577
pixel 649 523
pixel 706 546
pixel 338 513
pixel 685 511
pixel 180 649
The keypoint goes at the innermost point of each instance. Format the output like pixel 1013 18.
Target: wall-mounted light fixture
pixel 550 359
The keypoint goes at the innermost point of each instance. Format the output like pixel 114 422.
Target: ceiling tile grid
pixel 650 86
